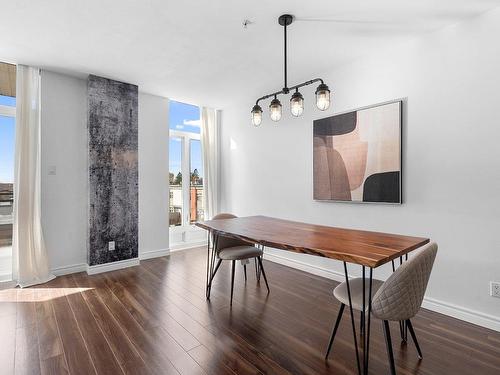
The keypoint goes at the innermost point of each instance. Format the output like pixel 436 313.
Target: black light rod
pixel 289 88
pixel 285 87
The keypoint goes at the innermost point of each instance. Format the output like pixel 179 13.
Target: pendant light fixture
pixel 297 100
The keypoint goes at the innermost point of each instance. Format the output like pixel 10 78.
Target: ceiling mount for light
pixel 297 100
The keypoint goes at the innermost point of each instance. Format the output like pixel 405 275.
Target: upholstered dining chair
pixel 399 298
pixel 233 249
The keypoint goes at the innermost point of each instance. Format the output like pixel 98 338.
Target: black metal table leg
pixel 208 265
pixel 259 272
pixel 212 264
pixel 366 336
pixel 362 317
pixel 335 328
pixel 261 266
pixel 352 317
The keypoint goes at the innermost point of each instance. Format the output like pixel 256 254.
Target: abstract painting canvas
pixel 357 155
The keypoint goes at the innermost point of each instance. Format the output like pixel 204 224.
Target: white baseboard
pixel 83 267
pixel 5 278
pixel 66 270
pixel 107 267
pixel 303 266
pixel 462 313
pixel 187 246
pixel 154 253
pixel 458 312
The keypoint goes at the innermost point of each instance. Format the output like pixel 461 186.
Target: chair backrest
pixel 224 242
pixel 400 297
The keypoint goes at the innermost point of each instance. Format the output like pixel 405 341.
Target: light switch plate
pixel 111 245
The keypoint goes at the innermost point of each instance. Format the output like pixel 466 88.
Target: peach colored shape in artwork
pixel 353 151
pixel 330 175
pixel 379 127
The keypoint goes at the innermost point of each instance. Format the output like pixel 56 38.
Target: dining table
pixel 366 249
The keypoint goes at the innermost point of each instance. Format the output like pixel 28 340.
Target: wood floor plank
pixel 147 298
pixel 8 341
pixel 50 346
pixel 173 350
pixel 75 349
pixel 99 350
pixel 128 357
pixel 26 313
pixel 153 356
pixel 224 348
pixel 210 363
pixel 55 365
pixel 27 358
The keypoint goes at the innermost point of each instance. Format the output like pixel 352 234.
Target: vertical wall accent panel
pixel 113 170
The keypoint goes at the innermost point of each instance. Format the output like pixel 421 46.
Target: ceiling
pixel 199 52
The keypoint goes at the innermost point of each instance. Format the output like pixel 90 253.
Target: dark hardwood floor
pixel 154 319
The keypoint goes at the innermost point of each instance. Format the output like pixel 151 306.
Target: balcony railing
pixel 196 209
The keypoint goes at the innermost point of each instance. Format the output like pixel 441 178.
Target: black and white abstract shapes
pixel 113 170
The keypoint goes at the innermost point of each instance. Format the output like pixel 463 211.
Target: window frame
pixel 8 111
pixel 186 138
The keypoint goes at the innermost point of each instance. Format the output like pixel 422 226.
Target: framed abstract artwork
pixel 357 155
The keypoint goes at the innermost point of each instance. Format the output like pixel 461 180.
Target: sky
pixel 7 140
pixel 184 117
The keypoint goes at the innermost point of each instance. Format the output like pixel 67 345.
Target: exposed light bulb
pixel 256 115
pixel 275 109
pixel 297 104
pixel 322 97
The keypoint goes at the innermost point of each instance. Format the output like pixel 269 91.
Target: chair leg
pixel 263 273
pixel 402 330
pixel 414 337
pixel 245 270
pixel 388 342
pixel 232 280
pixel 215 271
pixel 361 323
pixel 334 332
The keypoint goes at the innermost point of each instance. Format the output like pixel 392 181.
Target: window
pixel 196 185
pixel 7 142
pixel 175 180
pixel 185 169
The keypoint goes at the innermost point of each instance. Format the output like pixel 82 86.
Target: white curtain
pixel 30 264
pixel 210 148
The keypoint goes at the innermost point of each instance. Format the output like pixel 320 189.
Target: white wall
pixel 451 171
pixel 65 195
pixel 64 145
pixel 153 175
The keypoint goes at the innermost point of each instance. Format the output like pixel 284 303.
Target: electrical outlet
pixel 495 289
pixel 111 245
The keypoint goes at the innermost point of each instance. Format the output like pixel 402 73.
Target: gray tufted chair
pixel 233 249
pixel 397 299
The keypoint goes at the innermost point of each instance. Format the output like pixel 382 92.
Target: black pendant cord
pixel 285 88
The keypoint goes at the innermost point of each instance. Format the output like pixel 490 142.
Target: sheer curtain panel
pixel 210 148
pixel 29 256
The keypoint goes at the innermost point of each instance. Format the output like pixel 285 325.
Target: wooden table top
pixel 371 249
